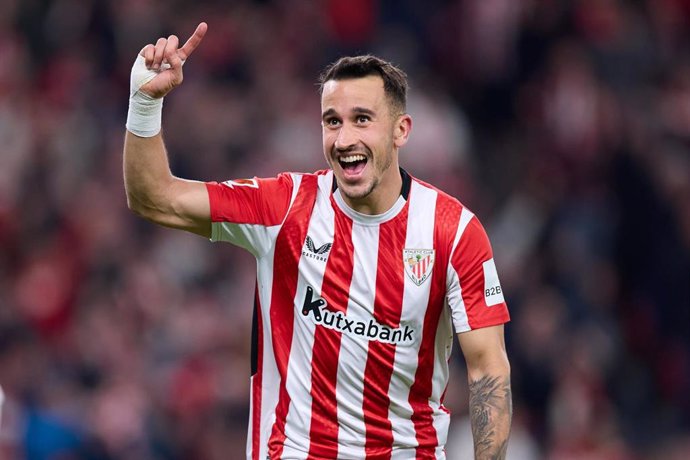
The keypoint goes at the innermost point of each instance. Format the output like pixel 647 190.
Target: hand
pixel 165 60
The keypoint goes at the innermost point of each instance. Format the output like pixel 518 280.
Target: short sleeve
pixel 474 292
pixel 247 212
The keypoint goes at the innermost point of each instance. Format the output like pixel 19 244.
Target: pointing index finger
pixel 193 41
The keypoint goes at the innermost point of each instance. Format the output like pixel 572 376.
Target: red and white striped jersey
pixel 355 314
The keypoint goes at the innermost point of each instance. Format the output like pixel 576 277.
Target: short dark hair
pixel 394 79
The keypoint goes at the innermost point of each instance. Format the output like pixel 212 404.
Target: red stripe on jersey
pixel 282 311
pixel 335 290
pixel 390 284
pixel 472 251
pixel 446 219
pixel 257 378
pixel 259 201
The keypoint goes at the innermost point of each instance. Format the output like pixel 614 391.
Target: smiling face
pixel 361 137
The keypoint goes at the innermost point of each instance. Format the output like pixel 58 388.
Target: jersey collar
pixel 368 219
pixel 404 190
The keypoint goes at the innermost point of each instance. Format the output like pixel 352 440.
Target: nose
pixel 346 138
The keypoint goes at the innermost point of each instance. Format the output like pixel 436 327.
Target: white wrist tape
pixel 145 112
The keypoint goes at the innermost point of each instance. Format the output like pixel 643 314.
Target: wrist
pixel 144 117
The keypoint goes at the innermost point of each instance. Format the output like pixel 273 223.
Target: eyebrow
pixel 360 110
pixel 355 110
pixel 328 113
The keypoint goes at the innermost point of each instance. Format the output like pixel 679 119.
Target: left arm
pixel 488 372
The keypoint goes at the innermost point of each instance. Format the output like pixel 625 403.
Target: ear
pixel 401 130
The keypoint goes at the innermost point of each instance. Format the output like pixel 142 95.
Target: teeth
pixel 352 159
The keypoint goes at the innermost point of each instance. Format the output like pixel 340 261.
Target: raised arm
pixel 152 191
pixel 491 407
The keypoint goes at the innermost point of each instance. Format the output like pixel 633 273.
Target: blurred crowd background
pixel 564 125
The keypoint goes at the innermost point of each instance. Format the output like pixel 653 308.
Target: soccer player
pixel 363 272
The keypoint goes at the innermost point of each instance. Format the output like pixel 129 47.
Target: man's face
pixel 361 138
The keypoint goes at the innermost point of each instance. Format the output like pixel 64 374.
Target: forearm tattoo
pixel 490 413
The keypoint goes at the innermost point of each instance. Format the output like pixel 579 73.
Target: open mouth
pixel 353 164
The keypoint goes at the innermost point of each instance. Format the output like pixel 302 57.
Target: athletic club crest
pixel 418 264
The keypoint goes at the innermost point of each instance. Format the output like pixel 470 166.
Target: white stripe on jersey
pixel 354 350
pixel 321 229
pixel 420 235
pixel 270 382
pixel 453 284
pixel 443 348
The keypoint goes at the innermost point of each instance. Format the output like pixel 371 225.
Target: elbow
pixel 494 363
pixel 140 208
pixel 157 211
pixel 134 205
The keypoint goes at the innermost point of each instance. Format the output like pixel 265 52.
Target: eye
pixel 331 122
pixel 363 118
